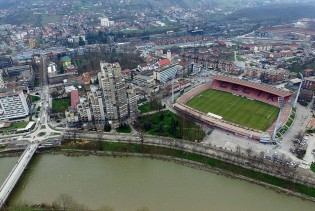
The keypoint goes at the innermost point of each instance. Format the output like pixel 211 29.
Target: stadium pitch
pixel 236 109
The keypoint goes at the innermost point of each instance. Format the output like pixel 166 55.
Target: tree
pixel 99 139
pixel 62 70
pixel 161 116
pixel 66 202
pixel 131 75
pixel 173 127
pixel 238 149
pixel 249 152
pixel 107 127
pixel 147 125
pixel 81 41
pixel 261 155
pixel 161 128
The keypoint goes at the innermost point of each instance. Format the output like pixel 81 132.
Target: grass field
pixel 60 105
pixel 237 109
pixel 15 126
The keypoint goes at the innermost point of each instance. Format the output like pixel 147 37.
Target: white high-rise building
pixel 1 80
pixel 114 92
pixel 169 55
pixel 106 22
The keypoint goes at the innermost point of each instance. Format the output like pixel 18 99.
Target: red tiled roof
pixel 183 63
pixel 262 87
pixel 126 71
pixel 86 80
pixel 308 70
pixel 164 62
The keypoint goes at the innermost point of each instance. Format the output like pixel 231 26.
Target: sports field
pixel 237 109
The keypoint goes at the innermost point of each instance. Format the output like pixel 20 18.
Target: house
pixel 306 95
pixel 143 80
pixel 162 63
pixel 127 73
pixel 88 77
pixel 308 72
pixel 144 67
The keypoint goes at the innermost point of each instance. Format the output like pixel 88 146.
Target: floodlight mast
pixel 281 105
pixel 298 92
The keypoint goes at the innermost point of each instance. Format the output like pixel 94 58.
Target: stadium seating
pixel 186 97
pixel 246 92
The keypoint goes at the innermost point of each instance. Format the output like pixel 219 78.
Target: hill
pixel 283 13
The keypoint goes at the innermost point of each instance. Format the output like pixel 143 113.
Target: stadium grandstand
pixel 256 91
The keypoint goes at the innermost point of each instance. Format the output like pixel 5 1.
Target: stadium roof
pixel 262 87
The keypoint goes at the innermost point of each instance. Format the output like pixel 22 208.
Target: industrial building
pixel 14 105
pixel 165 74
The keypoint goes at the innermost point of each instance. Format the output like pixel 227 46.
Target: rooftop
pixel 164 62
pixel 309 79
pixel 66 59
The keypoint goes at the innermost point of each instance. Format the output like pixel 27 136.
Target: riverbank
pixel 297 189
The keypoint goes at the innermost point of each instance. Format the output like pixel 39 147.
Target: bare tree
pixel 141 135
pixel 66 202
pixel 100 138
pixel 249 152
pixel 238 149
pixel 74 134
pixel 261 155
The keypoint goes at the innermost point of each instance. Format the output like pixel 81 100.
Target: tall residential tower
pixel 113 87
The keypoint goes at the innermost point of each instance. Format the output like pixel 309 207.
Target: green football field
pixel 237 109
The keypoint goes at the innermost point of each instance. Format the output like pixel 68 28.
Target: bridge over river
pixel 15 174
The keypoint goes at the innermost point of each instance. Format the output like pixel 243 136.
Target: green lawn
pixel 313 167
pixel 41 134
pixel 37 83
pixel 14 126
pixel 60 105
pixel 35 98
pixel 145 108
pixel 148 108
pixel 237 109
pixel 124 129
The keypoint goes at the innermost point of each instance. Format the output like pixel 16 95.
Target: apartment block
pixel 113 87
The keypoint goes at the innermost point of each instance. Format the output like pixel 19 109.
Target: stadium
pixel 241 107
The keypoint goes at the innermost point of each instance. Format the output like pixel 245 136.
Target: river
pixel 133 183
